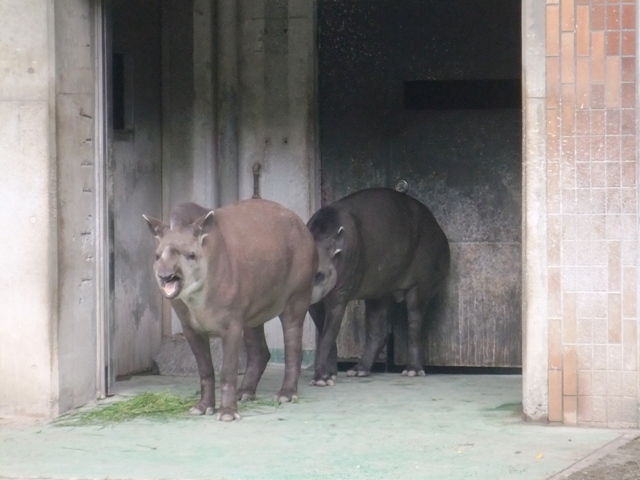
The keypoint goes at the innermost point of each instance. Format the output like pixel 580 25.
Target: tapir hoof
pixel 246 397
pixel 199 410
pixel 412 373
pixel 357 373
pixel 227 415
pixel 285 397
pixel 322 382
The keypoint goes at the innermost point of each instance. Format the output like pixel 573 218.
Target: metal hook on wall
pixel 256 179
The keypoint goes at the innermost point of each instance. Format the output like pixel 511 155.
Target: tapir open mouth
pixel 170 285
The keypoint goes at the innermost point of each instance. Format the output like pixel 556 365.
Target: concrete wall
pixel 276 84
pixel 47 333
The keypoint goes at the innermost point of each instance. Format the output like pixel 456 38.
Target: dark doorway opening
pixel 429 93
pixel 462 94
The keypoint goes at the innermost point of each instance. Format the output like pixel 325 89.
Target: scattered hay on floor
pixel 148 405
pixel 151 406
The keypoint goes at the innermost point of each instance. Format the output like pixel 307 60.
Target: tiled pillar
pixel 592 211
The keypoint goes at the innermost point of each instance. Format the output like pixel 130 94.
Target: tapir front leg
pixel 326 350
pixel 199 345
pixel 231 341
pixel 317 313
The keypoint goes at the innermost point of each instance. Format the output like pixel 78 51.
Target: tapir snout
pixel 170 283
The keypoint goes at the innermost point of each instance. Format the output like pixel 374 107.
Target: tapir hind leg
pixel 415 312
pixel 257 358
pixel 199 345
pixel 377 333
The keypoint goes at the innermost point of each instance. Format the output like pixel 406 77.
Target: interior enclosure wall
pixel 237 88
pixel 256 87
pixel 464 163
pixel 276 62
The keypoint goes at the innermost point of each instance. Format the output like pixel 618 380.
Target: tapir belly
pixel 250 304
pixel 393 265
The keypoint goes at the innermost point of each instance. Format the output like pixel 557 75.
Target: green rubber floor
pixel 382 427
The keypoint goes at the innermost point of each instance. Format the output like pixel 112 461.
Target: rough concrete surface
pixel 175 357
pixel 620 460
pixel 382 427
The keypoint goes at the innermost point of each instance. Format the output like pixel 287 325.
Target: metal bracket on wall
pixel 256 180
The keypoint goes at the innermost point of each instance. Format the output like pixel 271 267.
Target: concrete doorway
pixel 136 169
pixel 463 161
pixel 160 135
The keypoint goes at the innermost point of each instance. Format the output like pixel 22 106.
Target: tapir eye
pixel 157 256
pixel 191 256
pixel 319 277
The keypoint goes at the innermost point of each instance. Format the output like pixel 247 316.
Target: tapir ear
pixel 157 227
pixel 339 241
pixel 202 225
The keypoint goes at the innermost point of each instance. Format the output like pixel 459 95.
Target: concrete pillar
pixel 75 147
pixel 27 379
pixel 47 160
pixel 534 315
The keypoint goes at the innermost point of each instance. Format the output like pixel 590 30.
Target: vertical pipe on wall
pixel 227 102
pixel 205 188
pixel 535 396
pixel 104 372
pixel 315 183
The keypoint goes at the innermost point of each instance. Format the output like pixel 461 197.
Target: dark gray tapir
pixel 380 246
pixel 226 272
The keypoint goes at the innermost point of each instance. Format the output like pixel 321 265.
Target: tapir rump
pixel 380 246
pixel 228 271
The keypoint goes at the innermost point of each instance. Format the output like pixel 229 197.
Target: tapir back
pixel 392 242
pixel 270 252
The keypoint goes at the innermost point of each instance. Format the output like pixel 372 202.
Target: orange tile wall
pixel 592 212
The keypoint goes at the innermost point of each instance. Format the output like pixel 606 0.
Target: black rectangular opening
pixel 462 94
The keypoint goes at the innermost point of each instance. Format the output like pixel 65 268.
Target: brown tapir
pixel 380 246
pixel 228 271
